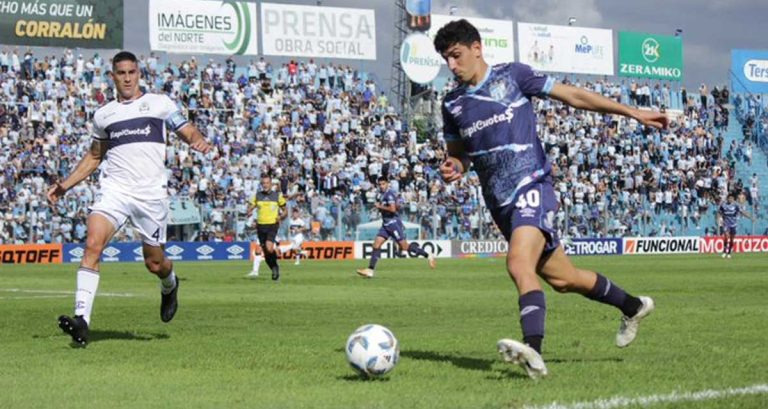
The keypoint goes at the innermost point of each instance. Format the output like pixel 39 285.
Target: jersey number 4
pixel 531 198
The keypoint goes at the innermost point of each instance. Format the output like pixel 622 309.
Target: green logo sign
pixel 650 56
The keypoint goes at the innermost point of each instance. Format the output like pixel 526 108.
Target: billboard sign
pixel 577 50
pixel 323 32
pixel 419 59
pixel 62 23
pixel 650 56
pixel 497 35
pixel 749 71
pixel 202 26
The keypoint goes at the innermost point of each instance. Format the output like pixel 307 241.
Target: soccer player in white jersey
pixel 129 147
pixel 296 227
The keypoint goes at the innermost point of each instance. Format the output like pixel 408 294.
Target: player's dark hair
pixel 124 56
pixel 383 178
pixel 456 32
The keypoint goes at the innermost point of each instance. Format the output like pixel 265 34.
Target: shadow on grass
pixel 460 361
pixel 96 336
pixel 358 378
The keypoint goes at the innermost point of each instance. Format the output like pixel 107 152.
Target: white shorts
pixel 296 242
pixel 149 217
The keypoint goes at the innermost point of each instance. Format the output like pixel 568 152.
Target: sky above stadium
pixel 711 28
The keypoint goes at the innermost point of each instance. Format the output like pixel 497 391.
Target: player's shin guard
pixel 533 311
pixel 415 250
pixel 606 292
pixel 375 255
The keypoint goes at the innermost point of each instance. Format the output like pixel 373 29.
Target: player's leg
pixel 525 248
pixel 731 237
pixel 268 238
pixel 257 258
pixel 560 273
pixel 382 237
pixel 151 220
pixel 100 229
pixel 725 241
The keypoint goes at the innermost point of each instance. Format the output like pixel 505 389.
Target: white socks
pixel 257 262
pixel 167 284
pixel 87 284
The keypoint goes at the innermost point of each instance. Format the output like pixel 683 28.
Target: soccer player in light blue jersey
pixel 490 124
pixel 730 212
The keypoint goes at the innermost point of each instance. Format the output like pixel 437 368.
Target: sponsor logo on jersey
pixel 481 124
pixel 128 132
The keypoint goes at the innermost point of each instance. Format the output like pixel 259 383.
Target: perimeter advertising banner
pixel 176 251
pixel 390 249
pixel 30 253
pixel 201 26
pixel 62 23
pixel 578 50
pixel 323 32
pixel 749 71
pixel 498 36
pixel 650 56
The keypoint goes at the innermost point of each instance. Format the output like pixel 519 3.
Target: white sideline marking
pixel 622 401
pixel 54 294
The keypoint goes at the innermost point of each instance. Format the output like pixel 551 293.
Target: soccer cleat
pixel 169 303
pixel 724 255
pixel 365 272
pixel 729 255
pixel 431 261
pixel 76 327
pixel 296 263
pixel 628 329
pixel 252 274
pixel 521 354
pixel 276 273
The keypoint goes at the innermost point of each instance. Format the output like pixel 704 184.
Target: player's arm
pixel 87 165
pixel 192 136
pixel 392 208
pixel 582 99
pixel 457 161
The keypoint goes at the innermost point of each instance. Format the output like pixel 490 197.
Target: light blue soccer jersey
pixel 496 123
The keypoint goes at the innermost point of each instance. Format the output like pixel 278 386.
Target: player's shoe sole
pixel 365 272
pixel 431 261
pixel 76 327
pixel 629 326
pixel 516 352
pixel 169 303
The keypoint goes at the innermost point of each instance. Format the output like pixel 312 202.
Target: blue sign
pixel 594 247
pixel 749 71
pixel 176 251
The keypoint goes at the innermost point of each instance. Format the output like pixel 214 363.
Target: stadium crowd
pixel 326 132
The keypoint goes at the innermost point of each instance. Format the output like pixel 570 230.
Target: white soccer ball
pixel 372 350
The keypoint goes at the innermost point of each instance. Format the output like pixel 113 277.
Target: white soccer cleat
pixel 296 263
pixel 521 354
pixel 724 255
pixel 252 274
pixel 628 329
pixel 365 272
pixel 729 255
pixel 431 261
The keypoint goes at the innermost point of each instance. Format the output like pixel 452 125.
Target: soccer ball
pixel 372 350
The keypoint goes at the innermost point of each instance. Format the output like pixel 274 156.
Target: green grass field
pixel 237 342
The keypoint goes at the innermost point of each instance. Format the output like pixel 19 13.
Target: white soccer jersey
pixel 135 134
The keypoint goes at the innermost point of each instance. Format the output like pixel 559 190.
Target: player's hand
pixel 650 118
pixel 55 192
pixel 451 170
pixel 201 146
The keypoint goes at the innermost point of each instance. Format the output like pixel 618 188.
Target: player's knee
pixel 561 286
pixel 520 270
pixel 153 266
